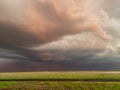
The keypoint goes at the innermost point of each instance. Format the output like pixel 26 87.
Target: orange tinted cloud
pixel 50 20
pixel 46 21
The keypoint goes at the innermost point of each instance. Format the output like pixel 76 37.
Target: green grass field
pixel 35 85
pixel 61 76
pixel 82 80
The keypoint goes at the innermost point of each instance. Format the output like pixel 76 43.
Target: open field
pixel 61 76
pixel 82 80
pixel 35 85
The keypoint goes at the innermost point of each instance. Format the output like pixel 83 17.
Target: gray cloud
pixel 83 31
pixel 12 34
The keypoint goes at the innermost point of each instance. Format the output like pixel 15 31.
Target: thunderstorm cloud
pixel 59 35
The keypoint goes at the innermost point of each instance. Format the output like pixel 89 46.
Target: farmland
pixel 79 80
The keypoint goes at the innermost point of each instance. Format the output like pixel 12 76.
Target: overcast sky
pixel 59 35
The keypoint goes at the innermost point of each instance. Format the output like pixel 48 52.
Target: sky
pixel 55 35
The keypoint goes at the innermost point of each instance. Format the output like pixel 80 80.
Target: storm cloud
pixel 83 32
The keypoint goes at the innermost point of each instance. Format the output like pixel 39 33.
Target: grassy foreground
pixel 59 85
pixel 60 76
pixel 60 81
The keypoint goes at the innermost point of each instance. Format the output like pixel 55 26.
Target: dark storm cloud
pixel 46 21
pixel 59 32
pixel 11 34
pixel 14 38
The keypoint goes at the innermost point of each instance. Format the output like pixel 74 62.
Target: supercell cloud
pixel 59 35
